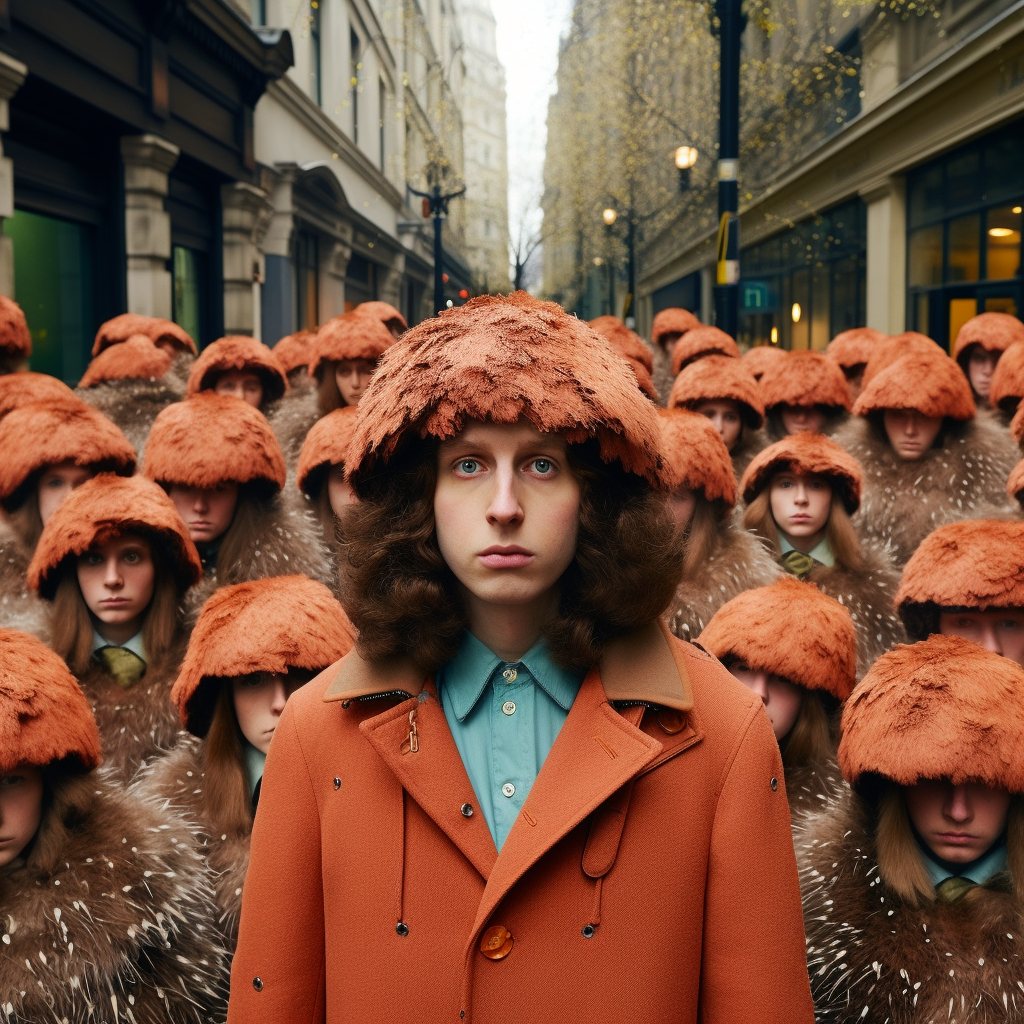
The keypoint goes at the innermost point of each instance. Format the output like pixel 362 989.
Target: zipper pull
pixel 412 744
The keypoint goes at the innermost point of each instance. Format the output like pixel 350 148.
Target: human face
pixel 353 378
pixel 259 701
pixel 506 509
pixel 958 823
pixel 117 579
pixel 800 506
pixel 980 367
pixel 724 413
pixel 21 808
pixel 206 511
pixel 996 629
pixel 56 483
pixel 681 503
pixel 780 697
pixel 802 419
pixel 910 433
pixel 339 490
pixel 241 384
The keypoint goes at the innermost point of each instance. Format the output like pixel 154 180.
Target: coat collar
pixel 643 667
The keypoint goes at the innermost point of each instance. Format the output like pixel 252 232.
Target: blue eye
pixel 468 466
pixel 542 466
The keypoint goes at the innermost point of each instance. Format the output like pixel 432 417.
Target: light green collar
pixel 979 871
pixel 134 644
pixel 821 552
pixel 255 761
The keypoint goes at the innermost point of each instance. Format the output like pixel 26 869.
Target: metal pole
pixel 611 271
pixel 438 252
pixel 627 308
pixel 731 23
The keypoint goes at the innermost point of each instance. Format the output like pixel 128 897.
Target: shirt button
pixel 509 707
pixel 508 789
pixel 509 675
pixel 496 942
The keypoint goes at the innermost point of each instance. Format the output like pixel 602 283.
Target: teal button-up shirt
pixel 504 717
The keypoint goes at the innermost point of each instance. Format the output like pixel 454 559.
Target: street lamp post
pixel 609 217
pixel 435 203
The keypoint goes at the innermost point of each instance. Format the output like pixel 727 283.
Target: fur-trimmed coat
pixel 291 418
pixel 19 607
pixel 902 502
pixel 662 376
pixel 739 562
pixel 812 789
pixel 122 931
pixel 873 957
pixel 751 442
pixel 176 782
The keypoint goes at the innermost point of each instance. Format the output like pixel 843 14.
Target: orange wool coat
pixel 650 875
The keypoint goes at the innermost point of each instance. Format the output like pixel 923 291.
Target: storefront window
pixel 307 280
pixel 926 256
pixel 53 284
pixel 188 290
pixel 1002 239
pixel 964 249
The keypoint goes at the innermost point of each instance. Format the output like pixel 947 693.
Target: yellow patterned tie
pixel 953 889
pixel 797 563
pixel 124 665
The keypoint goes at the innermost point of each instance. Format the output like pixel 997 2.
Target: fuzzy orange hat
pixel 349 336
pixel 674 320
pixel 1007 388
pixel 811 454
pixel 44 433
pixel 295 350
pixel 702 341
pixel 804 379
pixel 44 716
pixel 854 347
pixel 158 330
pixel 1015 485
pixel 696 458
pixel 789 629
pixel 17 389
pixel 385 313
pixel 137 358
pixel 974 563
pixel 1017 425
pixel 929 382
pixel 238 352
pixel 943 708
pixel 499 358
pixel 211 439
pixel 324 447
pixel 717 377
pixel 632 348
pixel 112 504
pixel 15 339
pixel 894 347
pixel 758 360
pixel 994 332
pixel 271 625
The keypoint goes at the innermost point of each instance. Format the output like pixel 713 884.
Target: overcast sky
pixel 528 35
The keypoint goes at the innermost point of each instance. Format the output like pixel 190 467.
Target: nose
pixel 201 504
pixel 958 806
pixel 280 698
pixel 912 425
pixel 112 576
pixel 759 684
pixel 800 494
pixel 504 507
pixel 989 639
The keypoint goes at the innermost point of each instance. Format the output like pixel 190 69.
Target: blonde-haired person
pixel 913 882
pixel 800 495
pixel 797 649
pixel 721 559
pixel 253 645
pixel 107 910
pixel 114 562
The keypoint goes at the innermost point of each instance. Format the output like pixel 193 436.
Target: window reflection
pixel 964 257
pixel 1002 239
pixel 926 256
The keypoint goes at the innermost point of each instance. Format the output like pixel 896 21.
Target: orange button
pixel 496 943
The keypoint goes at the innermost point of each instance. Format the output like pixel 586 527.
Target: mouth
pixel 956 838
pixel 509 556
pixel 114 602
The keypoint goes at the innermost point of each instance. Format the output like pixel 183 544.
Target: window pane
pixel 963 180
pixel 963 249
pixel 960 311
pixel 799 312
pixel 1002 238
pixel 187 296
pixel 926 256
pixel 1001 304
pixel 820 308
pixel 921 313
pixel 1004 165
pixel 926 197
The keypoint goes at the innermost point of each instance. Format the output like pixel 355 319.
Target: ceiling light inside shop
pixel 796 311
pixel 1000 232
pixel 775 335
pixel 1016 209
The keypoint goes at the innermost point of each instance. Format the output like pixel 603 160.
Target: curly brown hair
pixel 405 601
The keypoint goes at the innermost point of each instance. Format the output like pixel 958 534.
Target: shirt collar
pixel 134 644
pixel 255 761
pixel 979 871
pixel 472 670
pixel 821 552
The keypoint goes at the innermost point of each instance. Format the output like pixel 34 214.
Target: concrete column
pixel 887 256
pixel 389 287
pixel 334 257
pixel 247 213
pixel 278 291
pixel 12 74
pixel 148 160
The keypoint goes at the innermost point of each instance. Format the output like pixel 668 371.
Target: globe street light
pixel 686 157
pixel 609 217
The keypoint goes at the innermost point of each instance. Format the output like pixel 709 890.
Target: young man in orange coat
pixel 520 798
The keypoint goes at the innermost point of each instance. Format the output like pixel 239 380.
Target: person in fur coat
pixel 699 342
pixel 928 461
pixel 294 352
pixel 632 348
pixel 967 579
pixel 796 649
pixel 800 494
pixel 758 359
pixel 105 906
pixel 51 444
pixel 1007 386
pixel 240 366
pixel 721 559
pixel 913 882
pixel 253 645
pixel 723 389
pixel 220 463
pixel 806 391
pixel 668 327
pixel 850 351
pixel 390 317
pixel 346 354
pixel 114 563
pixel 15 339
pixel 165 334
pixel 980 344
